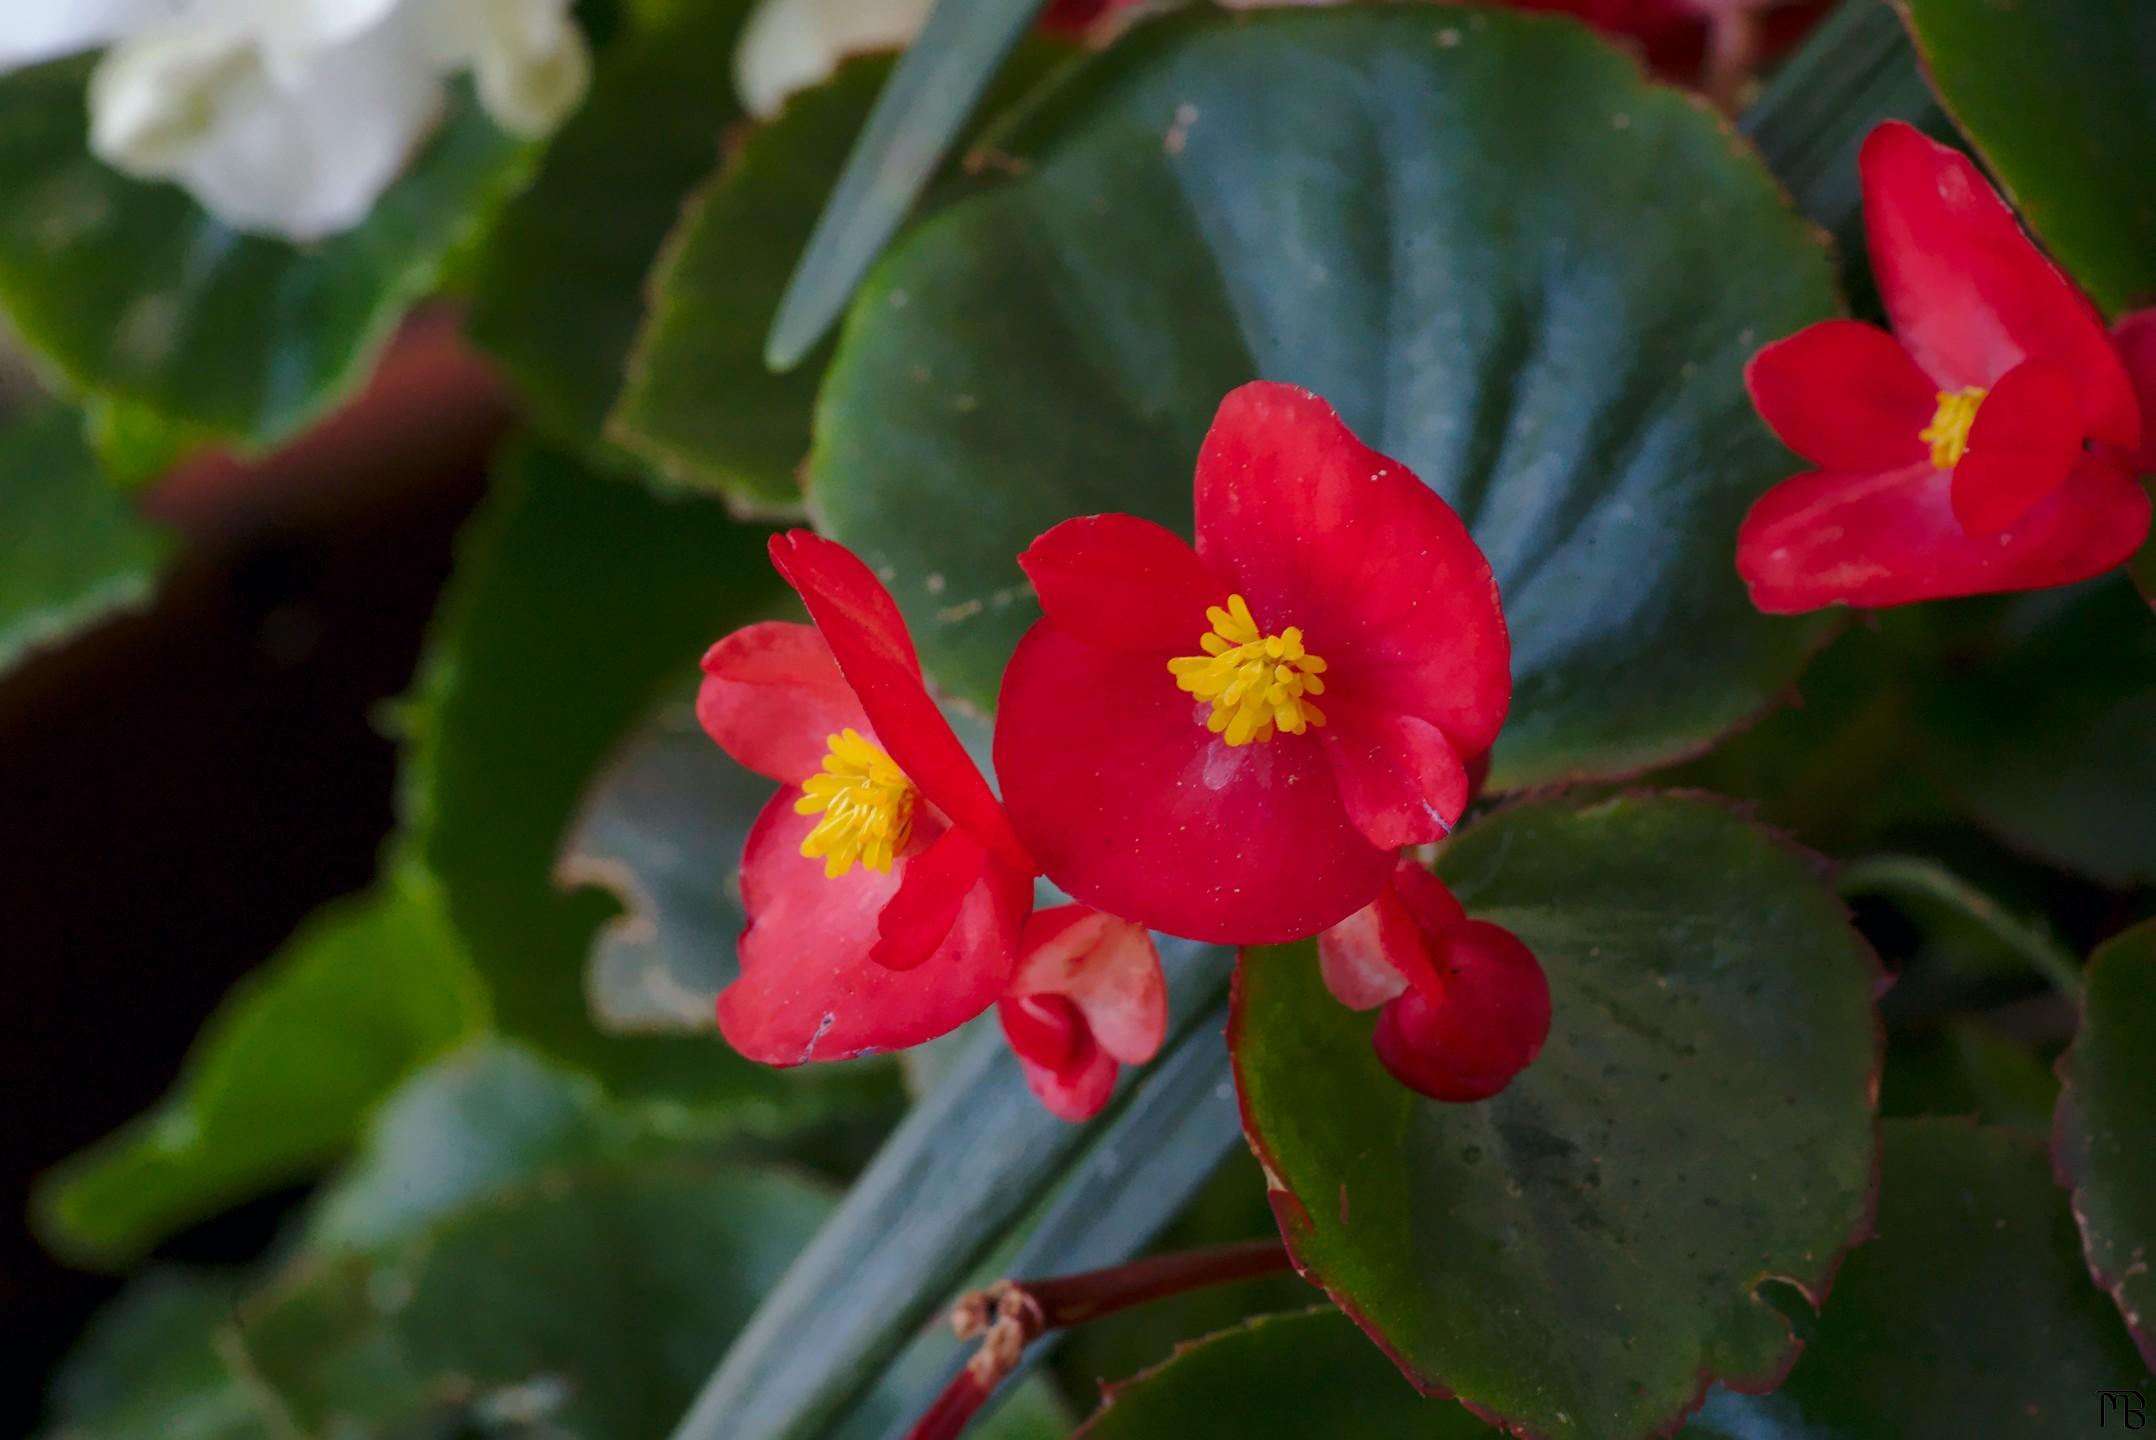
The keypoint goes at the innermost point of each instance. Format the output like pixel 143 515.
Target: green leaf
pixel 2107 1112
pixel 662 828
pixel 1284 1376
pixel 1582 1254
pixel 2044 739
pixel 148 1368
pixel 1968 1315
pixel 282 1077
pixel 917 118
pixel 576 599
pixel 1504 257
pixel 972 1158
pixel 699 403
pixel 1968 933
pixel 1967 1068
pixel 76 551
pixel 582 1304
pixel 129 290
pixel 560 290
pixel 2057 97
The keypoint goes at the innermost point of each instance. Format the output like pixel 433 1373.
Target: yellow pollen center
pixel 1948 433
pixel 1257 683
pixel 867 806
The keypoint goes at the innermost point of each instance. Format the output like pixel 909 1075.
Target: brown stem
pixel 1733 43
pixel 1011 1314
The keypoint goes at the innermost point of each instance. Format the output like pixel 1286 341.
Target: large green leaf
pixel 131 291
pixel 699 402
pixel 1280 1377
pixel 2107 1116
pixel 2044 735
pixel 281 1079
pixel 2057 96
pixel 560 290
pixel 1969 1315
pixel 148 1368
pixel 1582 1254
pixel 582 1304
pixel 576 599
pixel 1505 258
pixel 75 548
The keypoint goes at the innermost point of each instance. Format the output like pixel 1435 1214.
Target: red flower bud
pixel 1484 1023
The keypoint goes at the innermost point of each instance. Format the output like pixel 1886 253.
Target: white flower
pixel 290 117
pixel 790 45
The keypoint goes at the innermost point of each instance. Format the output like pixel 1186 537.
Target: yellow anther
pixel 1948 433
pixel 867 806
pixel 1257 683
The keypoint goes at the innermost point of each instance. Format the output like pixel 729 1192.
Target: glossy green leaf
pixel 75 548
pixel 1583 1253
pixel 2107 1115
pixel 582 1304
pixel 699 402
pixel 560 292
pixel 975 1155
pixel 662 829
pixel 2058 99
pixel 1969 1069
pixel 918 117
pixel 1969 1315
pixel 147 1368
pixel 281 1079
pixel 1506 259
pixel 576 599
pixel 1280 1377
pixel 129 289
pixel 2044 736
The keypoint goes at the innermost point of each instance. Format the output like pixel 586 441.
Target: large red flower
pixel 884 886
pixel 1465 1005
pixel 1230 743
pixel 1980 447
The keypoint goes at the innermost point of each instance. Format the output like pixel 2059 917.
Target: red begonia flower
pixel 2136 336
pixel 1087 996
pixel 1465 1005
pixel 1161 740
pixel 884 886
pixel 1675 35
pixel 1978 448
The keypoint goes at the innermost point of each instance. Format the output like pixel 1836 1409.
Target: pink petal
pixel 770 697
pixel 1106 967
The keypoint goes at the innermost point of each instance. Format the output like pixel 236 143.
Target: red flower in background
pixel 884 886
pixel 1678 37
pixel 1465 1005
pixel 1231 742
pixel 1953 453
pixel 2136 337
pixel 1087 996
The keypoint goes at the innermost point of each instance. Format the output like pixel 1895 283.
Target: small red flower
pixel 884 886
pixel 1230 743
pixel 1087 996
pixel 1954 454
pixel 1465 1005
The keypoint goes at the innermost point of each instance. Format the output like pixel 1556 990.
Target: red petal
pixel 1107 967
pixel 770 697
pixel 1828 538
pixel 1401 780
pixel 861 623
pixel 2136 335
pixel 1483 1025
pixel 1134 807
pixel 1122 583
pixel 1317 530
pixel 1384 948
pixel 1044 1030
pixel 1077 1090
pixel 1435 909
pixel 1970 295
pixel 809 989
pixel 2025 442
pixel 1844 395
pixel 936 882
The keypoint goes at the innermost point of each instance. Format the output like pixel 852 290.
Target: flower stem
pixel 1011 1314
pixel 1733 42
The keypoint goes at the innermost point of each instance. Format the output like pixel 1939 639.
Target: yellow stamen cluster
pixel 1258 683
pixel 1948 433
pixel 867 806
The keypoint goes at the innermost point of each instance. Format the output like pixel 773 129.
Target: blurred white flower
pixel 290 117
pixel 790 45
